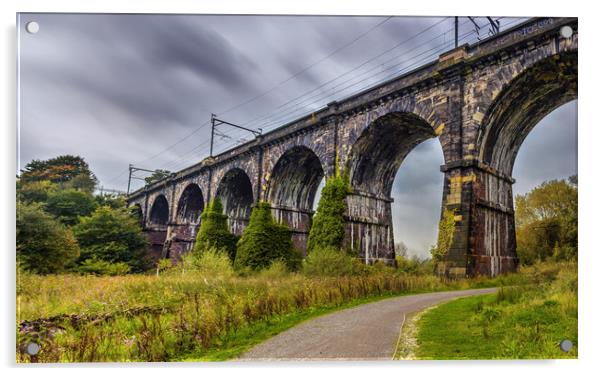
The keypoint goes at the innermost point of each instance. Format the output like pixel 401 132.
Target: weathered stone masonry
pixel 480 100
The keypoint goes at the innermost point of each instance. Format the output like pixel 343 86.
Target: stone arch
pixel 138 213
pixel 236 193
pixel 159 214
pixel 521 104
pixel 373 162
pixel 295 179
pixel 190 205
pixel 378 152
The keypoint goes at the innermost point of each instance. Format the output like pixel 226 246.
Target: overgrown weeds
pixel 193 307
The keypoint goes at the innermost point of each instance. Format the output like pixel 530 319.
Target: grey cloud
pixel 117 89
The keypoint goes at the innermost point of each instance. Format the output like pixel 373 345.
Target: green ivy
pixel 214 232
pixel 445 237
pixel 328 227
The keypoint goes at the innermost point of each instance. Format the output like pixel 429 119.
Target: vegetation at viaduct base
pixel 85 291
pixel 213 232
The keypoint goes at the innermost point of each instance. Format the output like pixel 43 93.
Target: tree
pixel 214 232
pixel 328 228
pixel 115 201
pixel 43 244
pixel 112 235
pixel 546 221
pixel 35 191
pixel 401 249
pixel 69 204
pixel 156 176
pixel 265 241
pixel 61 170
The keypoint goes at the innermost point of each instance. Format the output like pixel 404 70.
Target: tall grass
pixel 186 309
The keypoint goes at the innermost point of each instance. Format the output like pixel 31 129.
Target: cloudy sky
pixel 120 89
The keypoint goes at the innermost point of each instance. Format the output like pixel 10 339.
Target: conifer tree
pixel 214 232
pixel 265 241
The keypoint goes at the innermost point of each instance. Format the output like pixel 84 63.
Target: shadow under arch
pixel 520 106
pixel 378 153
pixel 294 181
pixel 236 193
pixel 190 205
pixel 137 212
pixel 159 214
pixel 374 160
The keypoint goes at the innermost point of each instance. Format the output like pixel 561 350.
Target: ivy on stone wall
pixel 445 237
pixel 328 227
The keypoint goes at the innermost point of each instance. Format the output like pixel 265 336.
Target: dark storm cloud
pixel 118 89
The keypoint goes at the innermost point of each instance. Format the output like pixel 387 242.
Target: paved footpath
pixel 366 332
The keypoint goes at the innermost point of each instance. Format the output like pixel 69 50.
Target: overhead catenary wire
pixel 303 70
pixel 250 100
pixel 275 121
pixel 406 68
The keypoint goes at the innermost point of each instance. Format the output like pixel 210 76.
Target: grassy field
pixel 207 314
pixel 519 322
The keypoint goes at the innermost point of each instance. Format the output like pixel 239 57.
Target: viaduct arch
pixel 479 100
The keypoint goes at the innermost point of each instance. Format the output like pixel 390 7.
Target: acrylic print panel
pixel 212 187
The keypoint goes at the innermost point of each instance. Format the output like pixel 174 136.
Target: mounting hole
pixel 566 345
pixel 33 348
pixel 32 27
pixel 566 32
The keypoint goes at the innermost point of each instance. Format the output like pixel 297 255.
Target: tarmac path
pixel 365 332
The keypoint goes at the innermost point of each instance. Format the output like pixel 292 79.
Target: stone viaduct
pixel 479 100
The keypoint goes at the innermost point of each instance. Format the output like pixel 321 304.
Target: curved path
pixel 366 332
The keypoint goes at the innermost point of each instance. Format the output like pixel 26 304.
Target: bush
pixel 328 227
pixel 277 269
pixel 331 262
pixel 114 236
pixel 414 265
pixel 210 262
pixel 44 245
pixel 69 204
pixel 101 267
pixel 265 241
pixel 214 232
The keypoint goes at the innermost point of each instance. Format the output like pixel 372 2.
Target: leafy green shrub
pixel 114 236
pixel 69 205
pixel 163 265
pixel 328 227
pixel 265 241
pixel 44 245
pixel 414 265
pixel 214 232
pixel 101 267
pixel 211 262
pixel 277 269
pixel 332 262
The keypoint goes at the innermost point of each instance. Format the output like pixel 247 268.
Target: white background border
pixel 590 143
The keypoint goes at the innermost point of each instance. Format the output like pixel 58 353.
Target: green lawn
pixel 523 322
